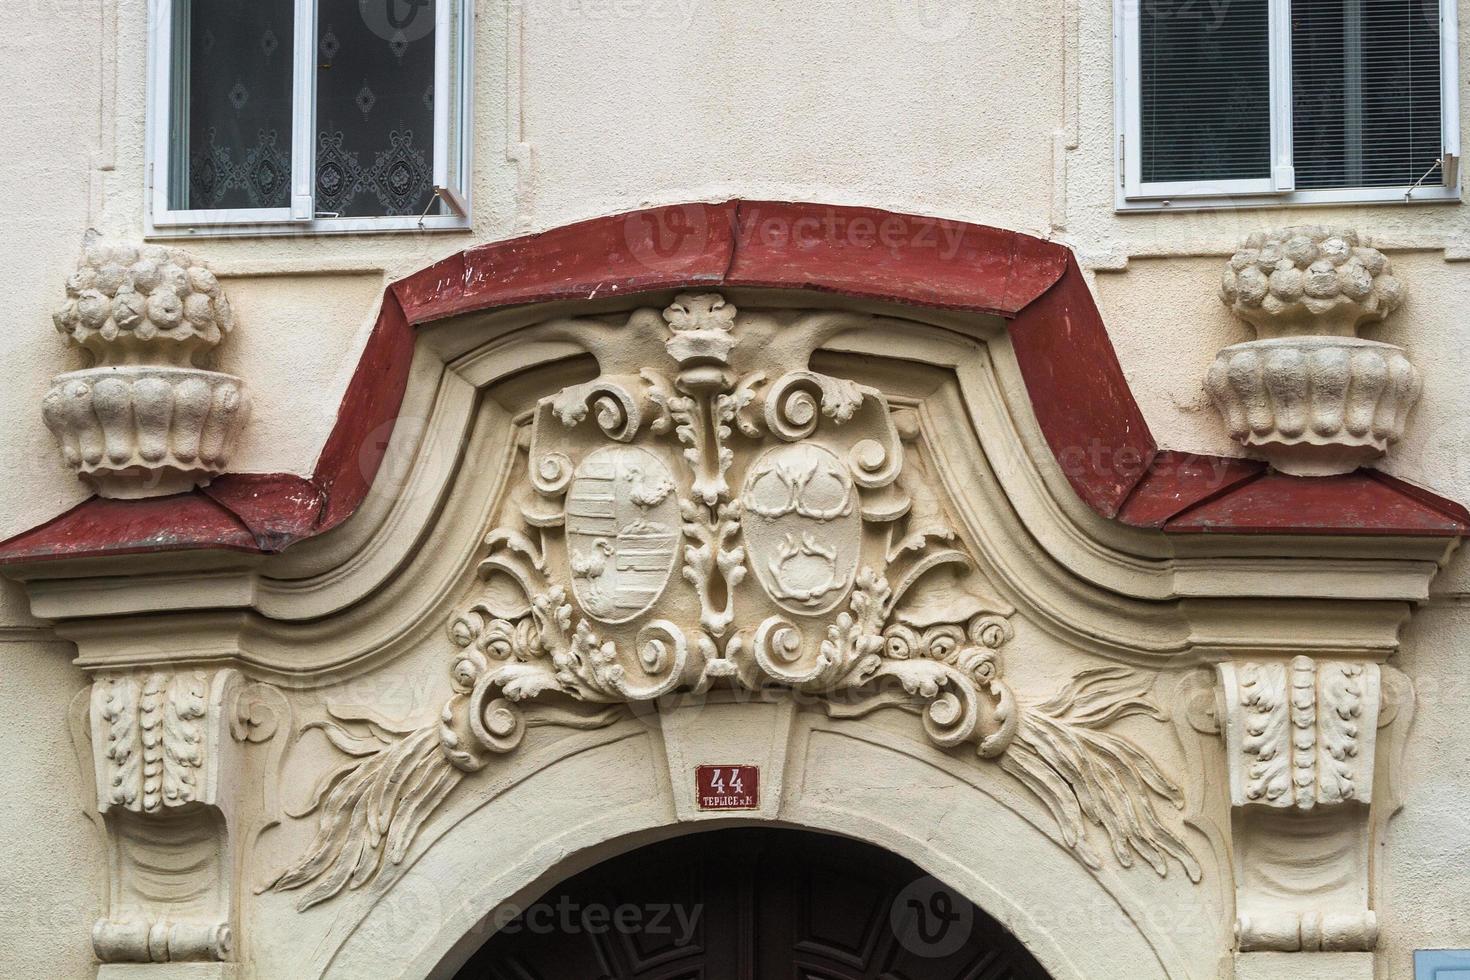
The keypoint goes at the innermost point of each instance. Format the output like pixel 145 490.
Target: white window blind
pixel 1365 82
pixel 1206 91
pixel 1287 101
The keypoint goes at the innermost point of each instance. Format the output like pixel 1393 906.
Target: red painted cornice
pixel 1082 401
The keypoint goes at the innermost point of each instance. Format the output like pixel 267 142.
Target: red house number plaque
pixel 728 787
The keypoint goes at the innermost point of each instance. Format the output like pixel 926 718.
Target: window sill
pixel 1314 198
pixel 435 223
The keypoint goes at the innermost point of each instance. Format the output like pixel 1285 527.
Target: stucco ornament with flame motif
pixel 147 419
pixel 1308 394
pixel 730 518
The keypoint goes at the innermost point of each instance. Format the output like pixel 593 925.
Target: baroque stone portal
pixel 729 518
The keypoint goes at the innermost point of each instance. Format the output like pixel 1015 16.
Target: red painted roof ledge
pixel 1078 391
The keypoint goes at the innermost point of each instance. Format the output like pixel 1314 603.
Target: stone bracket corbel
pixel 166 763
pixel 1301 740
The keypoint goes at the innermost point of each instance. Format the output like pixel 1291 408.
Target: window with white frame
pixel 1239 102
pixel 319 115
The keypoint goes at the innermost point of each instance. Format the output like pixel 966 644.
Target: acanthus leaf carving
pixel 1301 738
pixel 808 558
pixel 1300 734
pixel 162 749
pixel 153 732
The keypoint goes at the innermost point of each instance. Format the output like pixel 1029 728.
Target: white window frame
pixel 453 52
pixel 1132 194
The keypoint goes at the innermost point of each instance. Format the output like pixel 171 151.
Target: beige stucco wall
pixel 1424 888
pixel 55 861
pixel 996 113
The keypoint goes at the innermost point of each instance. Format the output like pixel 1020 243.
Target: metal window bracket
pixel 451 200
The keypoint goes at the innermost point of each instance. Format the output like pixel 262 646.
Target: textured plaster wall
pixel 1423 887
pixel 998 113
pixel 51 885
pixel 52 880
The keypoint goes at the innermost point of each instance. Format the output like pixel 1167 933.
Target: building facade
pixel 584 488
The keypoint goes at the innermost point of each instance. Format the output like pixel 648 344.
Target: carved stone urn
pixel 147 419
pixel 1308 394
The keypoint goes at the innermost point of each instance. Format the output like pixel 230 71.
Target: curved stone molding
pixel 734 524
pixel 1308 394
pixel 148 419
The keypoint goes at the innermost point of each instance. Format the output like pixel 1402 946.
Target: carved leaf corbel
pixel 1263 694
pixel 1340 718
pixel 164 769
pixel 115 704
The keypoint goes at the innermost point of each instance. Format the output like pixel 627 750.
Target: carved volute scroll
pixel 730 518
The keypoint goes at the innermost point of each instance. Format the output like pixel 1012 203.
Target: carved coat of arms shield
pixel 802 526
pixel 622 521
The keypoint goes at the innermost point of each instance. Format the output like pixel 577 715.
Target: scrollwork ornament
pixel 617 412
pixel 498 724
pixel 551 473
pixel 796 402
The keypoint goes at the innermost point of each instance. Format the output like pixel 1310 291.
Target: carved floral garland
pixel 597 627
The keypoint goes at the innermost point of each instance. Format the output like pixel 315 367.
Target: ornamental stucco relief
pixel 1301 743
pixel 714 531
pixel 148 418
pixel 163 749
pixel 1309 394
pixel 730 519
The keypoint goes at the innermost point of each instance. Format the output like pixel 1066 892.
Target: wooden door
pixel 753 904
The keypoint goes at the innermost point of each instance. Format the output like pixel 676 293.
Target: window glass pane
pixel 1365 92
pixel 231 133
pixel 375 107
pixel 1205 90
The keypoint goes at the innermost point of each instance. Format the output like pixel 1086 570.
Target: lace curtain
pixel 374 120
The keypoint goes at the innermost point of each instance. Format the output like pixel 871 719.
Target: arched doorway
pixel 752 904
